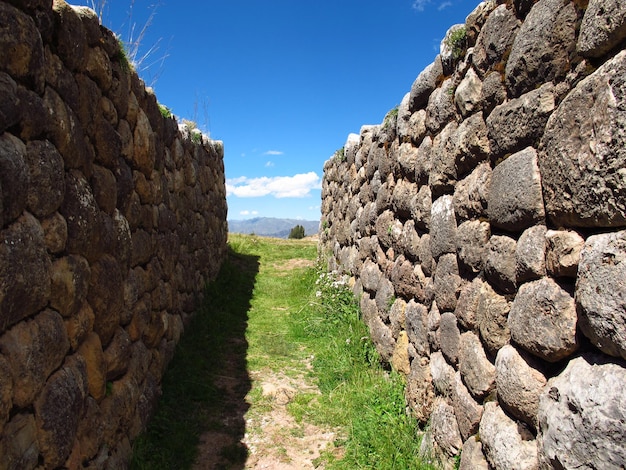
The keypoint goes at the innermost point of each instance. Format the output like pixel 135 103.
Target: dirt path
pixel 255 429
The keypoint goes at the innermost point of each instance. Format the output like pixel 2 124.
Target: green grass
pixel 284 313
pixel 358 396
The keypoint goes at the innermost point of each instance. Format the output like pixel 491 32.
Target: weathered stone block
pixel 530 254
pixel 79 325
pixel 472 457
pixel 500 263
pixel 447 282
pixel 471 193
pixel 95 365
pixel 419 391
pixel 491 315
pixel 24 271
pixel 445 428
pixel 495 39
pixel 520 122
pixel 21 47
pixel 424 85
pixel 467 305
pixel 601 292
pixel 106 296
pixel 442 375
pixel 83 217
pixel 583 185
pixel 543 320
pixel 14 178
pixel 10 111
pixel 468 94
pixel 417 326
pixel 449 337
pixel 19 447
pixel 477 371
pixel 506 444
pixel 472 241
pixel 515 201
pixel 58 410
pixel 46 187
pixel 443 227
pixel 519 384
pixel 603 27
pixel 542 46
pixel 581 416
pixel 563 252
pixel 35 349
pixel 400 358
pixel 466 410
pixel 440 110
pixel 70 281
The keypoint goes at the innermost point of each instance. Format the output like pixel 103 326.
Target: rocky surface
pixel 497 217
pixel 111 221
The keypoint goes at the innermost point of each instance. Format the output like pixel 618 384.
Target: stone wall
pixel 483 224
pixel 112 220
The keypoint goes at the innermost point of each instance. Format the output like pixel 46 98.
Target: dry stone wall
pixel 112 219
pixel 483 224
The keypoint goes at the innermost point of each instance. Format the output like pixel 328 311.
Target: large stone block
pixel 19 447
pixel 106 297
pixel 447 282
pixel 417 326
pixel 582 160
pixel 563 252
pixel 601 292
pixel 507 445
pixel 520 122
pixel 419 390
pixel 424 85
pixel 467 411
pixel 519 384
pixel 500 263
pixel 70 281
pixel 515 201
pixel 491 315
pixel 445 429
pixel 35 348
pixel 543 320
pixel 443 227
pixel 21 47
pixel 478 373
pixel 58 411
pixel 14 178
pixel 495 39
pixel 472 241
pixel 83 217
pixel 603 27
pixel 24 271
pixel 542 46
pixel 581 417
pixel 530 254
pixel 47 183
pixel 471 193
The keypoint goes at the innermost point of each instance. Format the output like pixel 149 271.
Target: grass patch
pixel 358 395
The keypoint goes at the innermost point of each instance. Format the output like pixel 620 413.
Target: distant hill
pixel 272 227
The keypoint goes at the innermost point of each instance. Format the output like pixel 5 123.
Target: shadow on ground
pixel 200 420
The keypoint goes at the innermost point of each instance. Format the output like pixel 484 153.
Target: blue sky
pixel 283 82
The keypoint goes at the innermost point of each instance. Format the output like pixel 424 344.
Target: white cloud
pixel 419 5
pixel 269 164
pixel 273 152
pixel 444 5
pixel 248 212
pixel 296 186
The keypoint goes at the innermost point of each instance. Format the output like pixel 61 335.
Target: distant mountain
pixel 272 227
